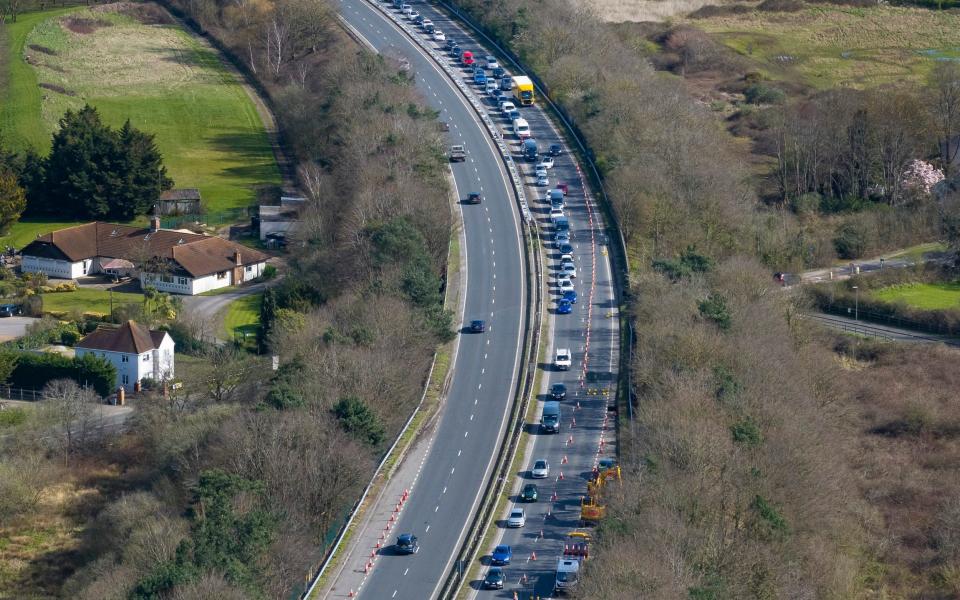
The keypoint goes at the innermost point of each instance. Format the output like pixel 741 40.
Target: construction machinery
pixel 592 508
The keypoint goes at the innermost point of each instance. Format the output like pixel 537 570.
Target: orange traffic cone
pixel 560 478
pixel 352 594
pixel 573 422
pixel 533 556
pixel 564 461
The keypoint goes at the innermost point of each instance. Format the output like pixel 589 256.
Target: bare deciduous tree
pixel 72 410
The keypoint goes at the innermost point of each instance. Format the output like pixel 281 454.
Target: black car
pixel 530 493
pixel 443 126
pixel 478 326
pixel 407 544
pixel 494 579
pixel 555 149
pixel 450 43
pixel 473 198
pixel 9 310
pixel 558 391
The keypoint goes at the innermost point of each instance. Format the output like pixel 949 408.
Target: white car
pixel 492 62
pixel 426 23
pixel 566 258
pixel 542 181
pixel 569 269
pixel 492 86
pixel 541 171
pixel 546 162
pixel 555 213
pixel 506 106
pixel 438 36
pixel 517 518
pixel 406 9
pixel 566 285
pixel 541 469
pixel 413 15
pixel 563 361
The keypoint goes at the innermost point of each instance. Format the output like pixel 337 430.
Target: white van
pixel 521 129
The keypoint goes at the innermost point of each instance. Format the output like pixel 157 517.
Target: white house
pixel 179 262
pixel 136 352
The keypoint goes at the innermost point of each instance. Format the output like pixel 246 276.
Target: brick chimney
pixel 236 258
pixel 154 224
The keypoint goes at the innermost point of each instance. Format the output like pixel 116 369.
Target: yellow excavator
pixel 592 508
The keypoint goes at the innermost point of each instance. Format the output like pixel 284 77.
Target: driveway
pixel 12 328
pixel 211 309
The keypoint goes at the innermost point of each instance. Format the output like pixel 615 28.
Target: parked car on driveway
pixel 9 310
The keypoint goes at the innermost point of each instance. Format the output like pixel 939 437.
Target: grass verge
pixel 925 296
pixel 242 317
pixel 87 300
pixel 164 80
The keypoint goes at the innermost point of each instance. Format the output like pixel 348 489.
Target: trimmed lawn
pixel 926 296
pixel 160 77
pixel 25 231
pixel 84 300
pixel 243 316
pixel 827 46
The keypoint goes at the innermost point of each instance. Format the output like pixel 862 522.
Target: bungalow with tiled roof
pixel 171 261
pixel 136 352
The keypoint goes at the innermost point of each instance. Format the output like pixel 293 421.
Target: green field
pixel 827 46
pixel 926 296
pixel 160 77
pixel 88 300
pixel 243 316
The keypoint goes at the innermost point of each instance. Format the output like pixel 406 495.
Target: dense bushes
pixel 33 371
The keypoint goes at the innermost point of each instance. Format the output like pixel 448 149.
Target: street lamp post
pixel 856 306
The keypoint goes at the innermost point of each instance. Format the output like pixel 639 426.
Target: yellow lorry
pixel 523 90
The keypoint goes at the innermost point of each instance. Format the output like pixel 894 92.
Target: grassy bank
pixel 139 65
pixel 926 296
pixel 826 46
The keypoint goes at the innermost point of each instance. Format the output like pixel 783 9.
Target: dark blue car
pixel 501 555
pixel 571 296
pixel 564 307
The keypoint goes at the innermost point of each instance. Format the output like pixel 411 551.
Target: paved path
pixel 211 309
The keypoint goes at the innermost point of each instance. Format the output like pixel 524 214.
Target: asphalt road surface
pixel 485 374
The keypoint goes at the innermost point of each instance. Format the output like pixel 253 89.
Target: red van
pixel 467 58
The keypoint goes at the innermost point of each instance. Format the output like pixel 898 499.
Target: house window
pixel 124 358
pixel 146 358
pixel 222 275
pixel 126 379
pixel 249 268
pixel 182 280
pixel 166 278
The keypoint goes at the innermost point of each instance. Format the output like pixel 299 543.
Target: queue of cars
pixel 492 80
